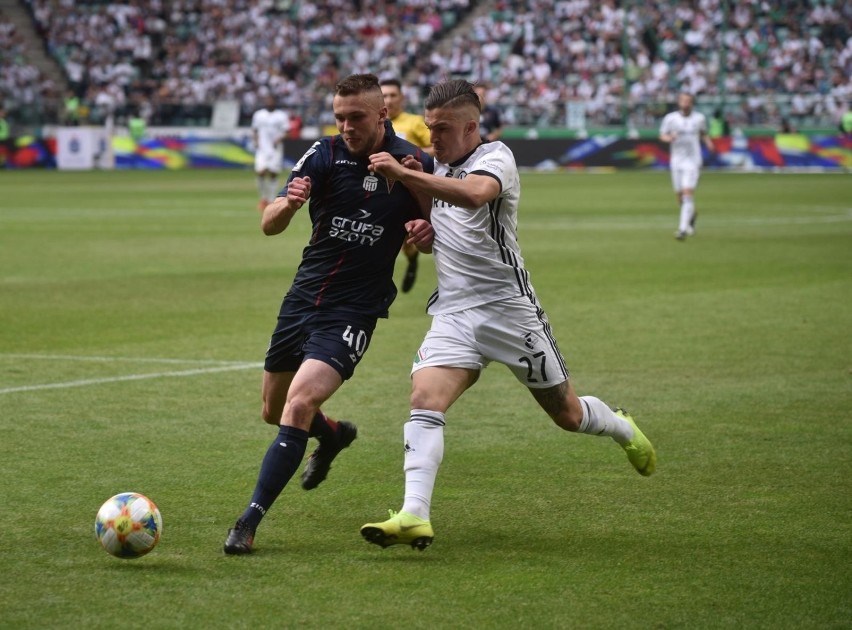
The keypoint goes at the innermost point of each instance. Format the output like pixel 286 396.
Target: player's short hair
pixel 357 84
pixel 395 82
pixel 452 93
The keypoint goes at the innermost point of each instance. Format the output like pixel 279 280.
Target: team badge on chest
pixel 371 183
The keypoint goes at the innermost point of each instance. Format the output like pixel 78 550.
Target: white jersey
pixel 270 127
pixel 477 256
pixel 686 147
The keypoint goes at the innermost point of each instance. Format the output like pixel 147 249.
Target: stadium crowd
pixel 178 56
pixel 769 59
pixel 22 84
pixel 170 59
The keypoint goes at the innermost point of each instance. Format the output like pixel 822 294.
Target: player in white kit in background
pixel 685 130
pixel 485 309
pixel 269 128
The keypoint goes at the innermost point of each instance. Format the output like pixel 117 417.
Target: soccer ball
pixel 128 525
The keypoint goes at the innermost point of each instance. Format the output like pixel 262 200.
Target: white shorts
pixel 270 160
pixel 684 178
pixel 514 332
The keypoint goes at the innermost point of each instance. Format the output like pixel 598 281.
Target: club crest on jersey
pixel 371 183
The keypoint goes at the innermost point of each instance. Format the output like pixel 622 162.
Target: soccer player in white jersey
pixel 685 130
pixel 269 128
pixel 484 310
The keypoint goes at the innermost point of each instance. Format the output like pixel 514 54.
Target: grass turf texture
pixel 731 349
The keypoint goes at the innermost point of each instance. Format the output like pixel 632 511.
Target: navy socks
pixel 323 427
pixel 279 464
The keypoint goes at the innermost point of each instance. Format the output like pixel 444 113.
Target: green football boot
pixel 639 450
pixel 401 528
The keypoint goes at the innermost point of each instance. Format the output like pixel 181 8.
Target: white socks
pixel 687 209
pixel 271 189
pixel 424 450
pixel 267 187
pixel 599 419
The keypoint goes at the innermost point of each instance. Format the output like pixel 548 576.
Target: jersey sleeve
pixel 497 164
pixel 666 124
pixel 315 163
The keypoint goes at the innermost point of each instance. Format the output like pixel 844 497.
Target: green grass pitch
pixel 135 309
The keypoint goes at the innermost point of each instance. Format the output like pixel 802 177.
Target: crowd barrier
pixel 85 148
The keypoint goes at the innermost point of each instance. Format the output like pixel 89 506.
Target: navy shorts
pixel 337 338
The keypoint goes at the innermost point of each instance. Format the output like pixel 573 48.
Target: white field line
pixel 74 357
pixel 131 377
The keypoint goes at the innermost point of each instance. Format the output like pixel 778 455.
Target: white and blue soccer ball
pixel 129 525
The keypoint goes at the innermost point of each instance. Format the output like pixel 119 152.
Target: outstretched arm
pixel 473 192
pixel 277 215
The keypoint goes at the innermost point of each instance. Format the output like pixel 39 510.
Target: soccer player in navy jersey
pixel 343 285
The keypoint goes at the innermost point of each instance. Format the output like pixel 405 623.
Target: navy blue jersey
pixel 358 222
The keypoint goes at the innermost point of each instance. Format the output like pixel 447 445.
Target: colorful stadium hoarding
pixel 786 151
pixel 792 151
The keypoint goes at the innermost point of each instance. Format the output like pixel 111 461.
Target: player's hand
pixel 412 163
pixel 299 191
pixel 420 234
pixel 385 164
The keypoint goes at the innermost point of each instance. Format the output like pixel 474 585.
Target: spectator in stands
pixel 5 133
pixel 71 109
pixel 718 126
pixel 136 126
pixel 184 55
pixel 846 122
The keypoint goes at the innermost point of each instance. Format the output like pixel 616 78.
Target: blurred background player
pixel 490 123
pixel 409 127
pixel 684 130
pixel 269 128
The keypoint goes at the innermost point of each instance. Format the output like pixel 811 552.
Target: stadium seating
pixel 623 62
pixel 23 87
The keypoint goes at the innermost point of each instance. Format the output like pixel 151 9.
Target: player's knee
pixel 568 415
pixel 569 419
pixel 423 398
pixel 300 410
pixel 270 415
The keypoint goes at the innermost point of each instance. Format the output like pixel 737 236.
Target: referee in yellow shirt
pixel 412 128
